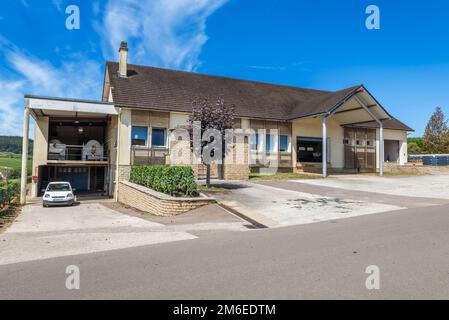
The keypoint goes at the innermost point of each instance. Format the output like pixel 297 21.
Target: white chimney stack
pixel 123 57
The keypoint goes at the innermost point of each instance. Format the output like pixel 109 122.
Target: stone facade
pixel 237 165
pixel 156 203
pixel 124 173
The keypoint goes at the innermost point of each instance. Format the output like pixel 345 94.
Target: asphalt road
pixel 318 261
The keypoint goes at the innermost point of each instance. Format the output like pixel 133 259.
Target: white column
pixel 381 150
pixel 25 140
pixel 324 151
pixel 117 163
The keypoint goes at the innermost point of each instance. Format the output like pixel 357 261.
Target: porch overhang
pixel 356 107
pixel 359 107
pixel 40 106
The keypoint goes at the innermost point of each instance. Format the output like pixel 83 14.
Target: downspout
pixel 119 121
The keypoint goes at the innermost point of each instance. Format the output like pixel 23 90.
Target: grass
pixel 7 215
pixel 14 163
pixel 283 176
pixel 203 188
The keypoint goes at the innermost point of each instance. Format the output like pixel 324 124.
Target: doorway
pixel 360 149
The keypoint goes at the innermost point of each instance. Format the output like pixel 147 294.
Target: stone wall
pixel 237 165
pixel 412 168
pixel 124 173
pixel 156 203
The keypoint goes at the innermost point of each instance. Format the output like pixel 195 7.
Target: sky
pixel 320 44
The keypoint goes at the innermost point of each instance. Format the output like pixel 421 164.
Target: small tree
pixel 415 145
pixel 218 115
pixel 436 135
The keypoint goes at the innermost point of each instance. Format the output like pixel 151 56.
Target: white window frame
pixel 289 143
pixel 147 142
pixel 150 141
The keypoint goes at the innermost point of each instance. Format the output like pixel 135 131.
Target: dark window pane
pixel 255 141
pixel 309 149
pixel 267 143
pixel 158 137
pixel 139 136
pixel 283 143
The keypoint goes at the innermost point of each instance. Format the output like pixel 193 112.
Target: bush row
pixel 172 180
pixel 8 192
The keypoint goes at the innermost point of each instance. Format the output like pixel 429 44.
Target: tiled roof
pixel 171 90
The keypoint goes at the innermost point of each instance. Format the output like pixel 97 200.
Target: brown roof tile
pixel 163 89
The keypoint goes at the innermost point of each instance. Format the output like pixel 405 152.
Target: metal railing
pixel 63 152
pixel 144 155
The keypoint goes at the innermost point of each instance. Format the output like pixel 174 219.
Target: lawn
pixel 283 176
pixel 14 163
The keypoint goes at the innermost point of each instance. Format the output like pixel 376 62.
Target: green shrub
pixel 171 180
pixel 8 192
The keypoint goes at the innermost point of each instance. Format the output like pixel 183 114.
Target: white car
pixel 58 193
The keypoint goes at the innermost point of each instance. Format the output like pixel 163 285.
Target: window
pixel 309 149
pixel 255 141
pixel 139 136
pixel 283 143
pixel 158 137
pixel 268 143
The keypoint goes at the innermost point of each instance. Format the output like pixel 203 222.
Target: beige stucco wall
pixel 125 137
pixel 399 135
pixel 40 146
pixel 312 128
pixel 178 120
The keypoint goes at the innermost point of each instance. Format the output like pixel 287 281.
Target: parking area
pixel 278 203
pixel 96 225
pixel 434 186
pixel 92 226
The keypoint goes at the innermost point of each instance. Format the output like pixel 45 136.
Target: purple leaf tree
pixel 212 115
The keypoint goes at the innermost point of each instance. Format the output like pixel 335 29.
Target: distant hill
pixel 13 144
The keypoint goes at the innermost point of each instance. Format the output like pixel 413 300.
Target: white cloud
pixel 166 33
pixel 58 4
pixel 27 74
pixel 24 3
pixel 10 111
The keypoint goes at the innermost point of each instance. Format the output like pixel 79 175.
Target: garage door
pixel 360 149
pixel 77 176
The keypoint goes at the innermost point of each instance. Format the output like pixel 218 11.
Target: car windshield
pixel 58 187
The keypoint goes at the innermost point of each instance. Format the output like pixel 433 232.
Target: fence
pixel 435 160
pixel 7 192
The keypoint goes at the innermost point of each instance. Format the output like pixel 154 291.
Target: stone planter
pixel 157 203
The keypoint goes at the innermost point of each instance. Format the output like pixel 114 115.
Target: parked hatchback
pixel 58 193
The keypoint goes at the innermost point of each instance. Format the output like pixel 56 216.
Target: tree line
pixel 436 136
pixel 13 144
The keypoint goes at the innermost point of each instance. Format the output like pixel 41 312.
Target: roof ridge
pixel 224 77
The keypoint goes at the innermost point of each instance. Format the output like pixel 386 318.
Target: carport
pixel 70 142
pixel 359 113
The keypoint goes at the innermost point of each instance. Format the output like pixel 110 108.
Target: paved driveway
pixel 429 186
pixel 40 233
pixel 276 206
pixel 281 202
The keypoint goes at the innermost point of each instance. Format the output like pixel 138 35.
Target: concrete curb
pixel 249 215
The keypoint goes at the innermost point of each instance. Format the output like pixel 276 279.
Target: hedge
pixel 172 180
pixel 8 192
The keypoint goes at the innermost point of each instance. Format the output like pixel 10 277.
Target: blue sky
pixel 321 44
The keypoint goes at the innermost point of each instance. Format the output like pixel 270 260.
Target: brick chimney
pixel 123 57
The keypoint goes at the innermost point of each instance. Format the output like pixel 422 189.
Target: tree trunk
pixel 208 175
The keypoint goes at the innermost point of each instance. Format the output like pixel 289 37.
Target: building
pixel 93 143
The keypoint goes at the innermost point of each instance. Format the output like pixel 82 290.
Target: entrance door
pixel 96 179
pixel 77 176
pixel 360 149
